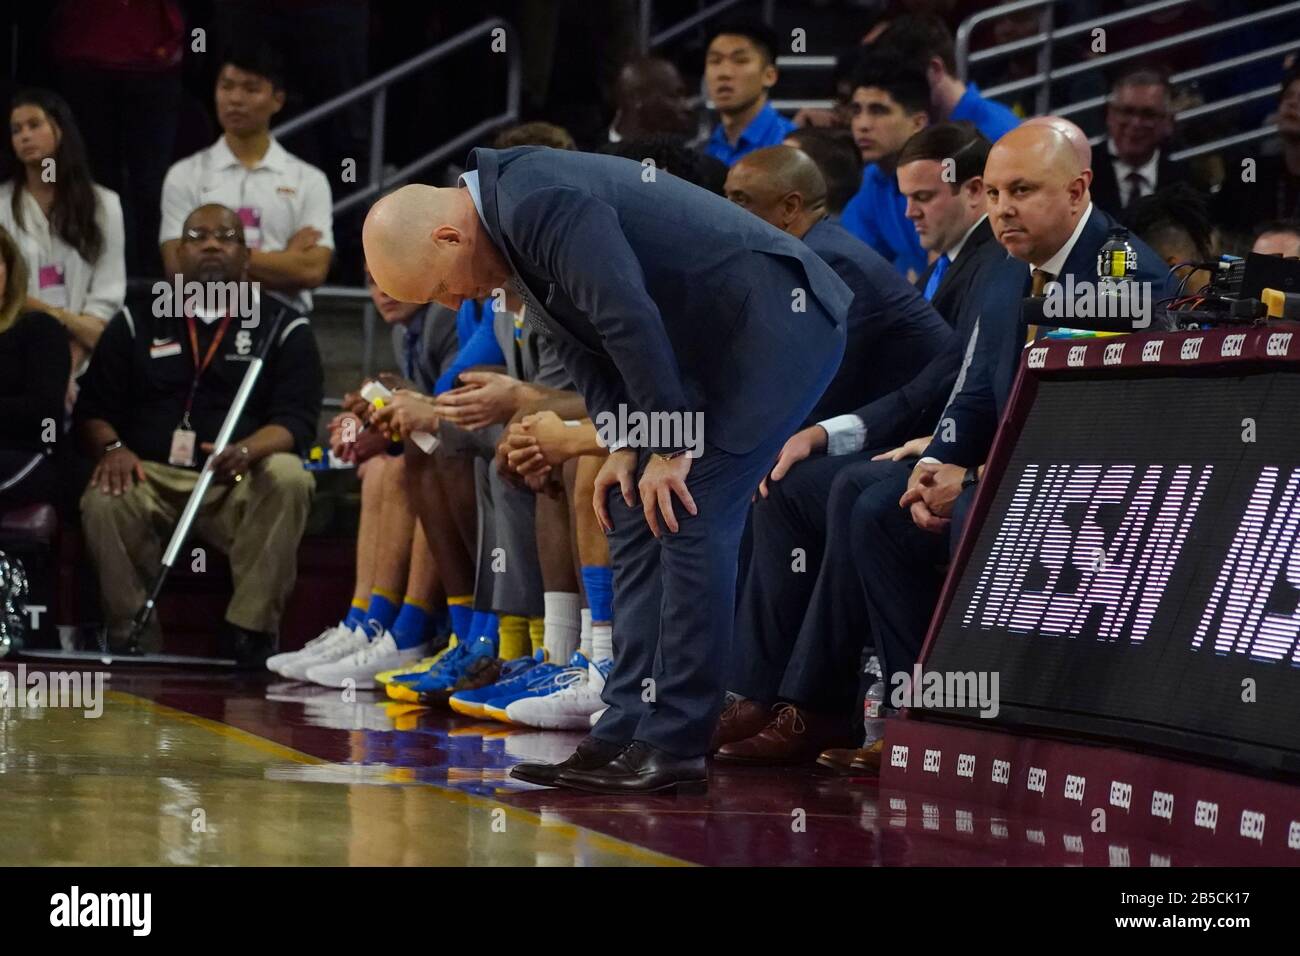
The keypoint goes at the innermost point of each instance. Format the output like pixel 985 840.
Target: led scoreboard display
pixel 1132 567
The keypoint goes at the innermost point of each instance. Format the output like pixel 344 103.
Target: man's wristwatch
pixel 670 455
pixel 111 446
pixel 970 479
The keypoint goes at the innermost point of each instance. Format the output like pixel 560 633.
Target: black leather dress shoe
pixel 641 768
pixel 592 754
pixel 250 649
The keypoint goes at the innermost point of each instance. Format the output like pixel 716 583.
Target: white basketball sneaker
pixel 361 666
pixel 275 661
pixel 569 708
pixel 341 644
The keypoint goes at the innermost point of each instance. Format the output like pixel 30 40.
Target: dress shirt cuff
pixel 929 460
pixel 845 434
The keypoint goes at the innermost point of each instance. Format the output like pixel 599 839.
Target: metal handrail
pixel 1224 143
pixel 1194 74
pixel 376 90
pixel 1143 49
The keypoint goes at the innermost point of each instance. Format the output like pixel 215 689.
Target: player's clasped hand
pixel 486 398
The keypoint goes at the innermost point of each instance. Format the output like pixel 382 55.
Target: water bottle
pixel 873 721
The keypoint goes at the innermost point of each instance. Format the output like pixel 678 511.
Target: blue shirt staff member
pixel 739 72
pixel 660 298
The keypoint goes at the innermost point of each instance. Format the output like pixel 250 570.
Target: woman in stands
pixel 68 229
pixel 34 367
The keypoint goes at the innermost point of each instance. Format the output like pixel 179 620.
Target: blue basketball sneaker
pixel 540 684
pixel 515 673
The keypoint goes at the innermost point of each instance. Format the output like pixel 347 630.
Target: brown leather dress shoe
pixel 853 760
pixel 740 719
pixel 792 736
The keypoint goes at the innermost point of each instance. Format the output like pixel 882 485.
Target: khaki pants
pixel 257 523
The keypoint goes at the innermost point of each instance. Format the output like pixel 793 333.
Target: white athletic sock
pixel 602 642
pixel 585 644
pixel 560 625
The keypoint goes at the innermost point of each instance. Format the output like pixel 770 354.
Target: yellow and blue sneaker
pixel 470 701
pixel 384 678
pixel 537 683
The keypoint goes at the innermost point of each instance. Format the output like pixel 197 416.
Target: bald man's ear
pixel 791 207
pixel 1078 189
pixel 449 234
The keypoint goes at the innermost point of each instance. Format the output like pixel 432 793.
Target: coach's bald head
pixel 1036 191
pixel 1071 131
pixel 425 244
pixel 781 185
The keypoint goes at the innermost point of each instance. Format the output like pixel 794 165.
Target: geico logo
pixel 1293 835
pixel 1037 781
pixel 1121 794
pixel 1073 842
pixel 931 762
pixel 1278 343
pixel 1119 855
pixel 1114 354
pixel 898 756
pixel 1001 771
pixel 1232 344
pixel 1074 787
pixel 1191 349
pixel 1037 358
pixel 998 830
pixel 1075 358
pixel 1158 860
pixel 1036 836
pixel 1151 351
pixel 898 804
pixel 1162 805
pixel 965 822
pixel 1252 825
pixel 966 765
pixel 1207 814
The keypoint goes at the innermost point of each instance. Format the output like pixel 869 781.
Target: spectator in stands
pixel 903 527
pixel 1278 238
pixel 535 134
pixel 839 161
pixel 793 630
pixel 120 69
pixel 283 203
pixel 1139 123
pixel 1175 222
pixel 397 579
pixel 671 153
pixel 149 410
pixel 68 229
pixel 925 41
pixel 890 103
pixel 739 72
pixel 34 364
pixel 650 100
pixel 1260 188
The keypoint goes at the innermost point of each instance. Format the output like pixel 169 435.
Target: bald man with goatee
pixel 1041 213
pixel 672 310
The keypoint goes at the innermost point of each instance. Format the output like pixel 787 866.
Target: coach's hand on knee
pixel 619 469
pixel 663 478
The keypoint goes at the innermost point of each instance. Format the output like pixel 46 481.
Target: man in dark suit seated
pixel 668 306
pixel 904 529
pixel 784 616
pixel 1133 161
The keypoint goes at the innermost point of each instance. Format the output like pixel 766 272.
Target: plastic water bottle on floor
pixel 873 720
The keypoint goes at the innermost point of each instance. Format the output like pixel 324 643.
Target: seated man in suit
pixel 1134 161
pixel 668 306
pixel 783 617
pixel 904 529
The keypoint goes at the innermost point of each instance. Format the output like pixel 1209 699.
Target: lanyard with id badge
pixel 183 438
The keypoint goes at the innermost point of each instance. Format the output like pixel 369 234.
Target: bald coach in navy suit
pixel 660 297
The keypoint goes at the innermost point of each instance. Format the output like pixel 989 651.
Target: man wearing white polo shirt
pixel 284 203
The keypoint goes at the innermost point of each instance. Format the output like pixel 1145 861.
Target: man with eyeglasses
pixel 158 388
pixel 1139 124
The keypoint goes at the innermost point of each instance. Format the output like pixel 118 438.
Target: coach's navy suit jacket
pixel 976 410
pixel 659 294
pixel 892 334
